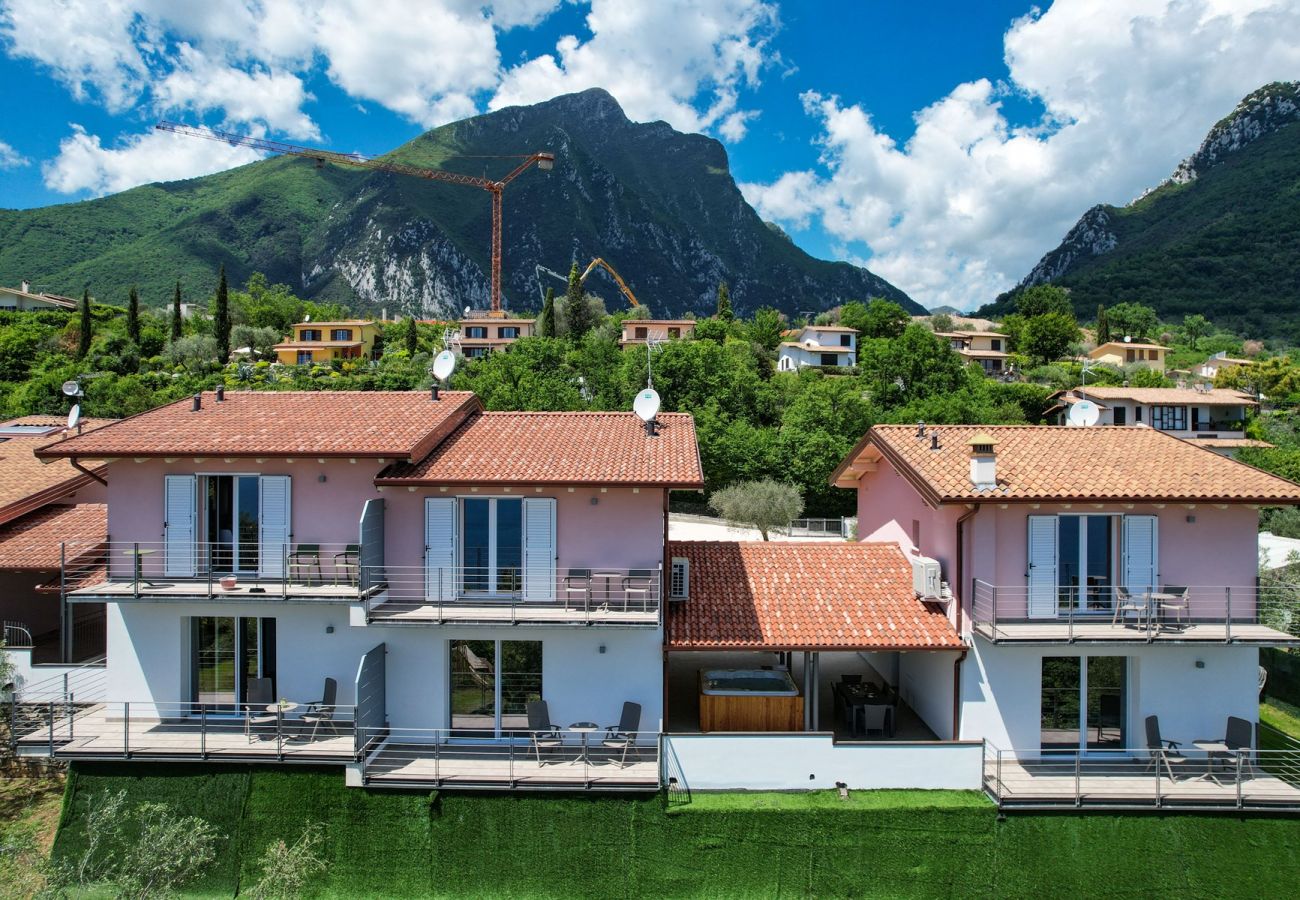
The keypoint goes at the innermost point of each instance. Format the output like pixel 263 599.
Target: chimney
pixel 920 429
pixel 27 287
pixel 197 404
pixel 433 392
pixel 983 462
pixel 934 440
pixel 221 393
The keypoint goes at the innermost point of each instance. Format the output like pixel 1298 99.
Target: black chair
pixel 348 564
pixel 851 678
pixel 1162 752
pixel 305 558
pixel 321 712
pixel 623 735
pixel 1240 739
pixel 638 583
pixel 257 697
pixel 875 717
pixel 544 735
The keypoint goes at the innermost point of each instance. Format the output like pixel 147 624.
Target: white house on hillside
pixel 819 345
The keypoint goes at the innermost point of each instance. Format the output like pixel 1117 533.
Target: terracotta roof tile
pixel 32 541
pixel 26 482
pixel 401 424
pixel 1047 463
pixel 560 448
pixel 799 595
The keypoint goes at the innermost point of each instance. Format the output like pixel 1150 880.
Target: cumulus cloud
pixel 966 206
pixel 11 158
pixel 659 59
pixel 83 164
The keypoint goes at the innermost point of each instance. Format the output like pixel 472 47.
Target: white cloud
pixel 682 61
pixel 84 165
pixel 969 203
pixel 11 158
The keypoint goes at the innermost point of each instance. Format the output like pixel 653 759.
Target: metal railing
pixel 1266 778
pixel 600 758
pixel 183 730
pixel 821 526
pixel 1185 612
pixel 17 635
pixel 84 684
pixel 134 569
pixel 587 595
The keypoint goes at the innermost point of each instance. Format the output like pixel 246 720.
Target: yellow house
pixel 323 342
pixel 1127 353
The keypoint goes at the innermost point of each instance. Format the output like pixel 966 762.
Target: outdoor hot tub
pixel 749 700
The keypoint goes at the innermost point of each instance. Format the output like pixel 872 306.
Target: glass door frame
pixel 240 653
pixel 492 578
pixel 499 734
pixel 212 541
pixel 1080 591
pixel 1084 724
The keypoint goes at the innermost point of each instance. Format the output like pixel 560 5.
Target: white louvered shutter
pixel 274 525
pixel 1141 557
pixel 1043 536
pixel 440 548
pixel 179 524
pixel 539 549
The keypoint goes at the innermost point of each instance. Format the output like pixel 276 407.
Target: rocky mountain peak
pixel 1262 112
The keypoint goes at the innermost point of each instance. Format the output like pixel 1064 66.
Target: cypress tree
pixel 412 337
pixel 83 338
pixel 577 311
pixel 133 316
pixel 724 303
pixel 176 312
pixel 546 322
pixel 221 318
pixel 1103 324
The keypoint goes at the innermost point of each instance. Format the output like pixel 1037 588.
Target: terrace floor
pixel 1102 631
pixel 422 763
pixel 383 609
pixel 178 588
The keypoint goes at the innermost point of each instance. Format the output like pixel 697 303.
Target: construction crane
pixel 622 285
pixel 496 187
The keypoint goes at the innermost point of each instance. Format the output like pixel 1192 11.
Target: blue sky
pixel 945 145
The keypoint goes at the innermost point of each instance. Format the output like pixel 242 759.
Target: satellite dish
pixel 74 416
pixel 307 318
pixel 646 404
pixel 71 388
pixel 443 365
pixel 1083 414
pixel 467 312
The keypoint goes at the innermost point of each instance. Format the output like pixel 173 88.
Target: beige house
pixel 1218 362
pixel 988 348
pixel 1126 353
pixel 638 331
pixel 482 334
pixel 22 299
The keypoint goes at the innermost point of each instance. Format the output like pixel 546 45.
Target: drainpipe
pixel 80 468
pixel 956 695
pixel 960 595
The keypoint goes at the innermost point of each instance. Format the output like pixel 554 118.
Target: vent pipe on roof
pixel 221 393
pixel 920 429
pixel 197 404
pixel 27 287
pixel 433 392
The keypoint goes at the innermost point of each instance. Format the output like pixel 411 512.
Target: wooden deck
pixel 1094 631
pixel 1133 783
pixel 183 589
pixel 453 765
pixel 385 611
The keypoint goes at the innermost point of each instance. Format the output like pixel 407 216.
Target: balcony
pixel 117 571
pixel 512 595
pixel 1264 616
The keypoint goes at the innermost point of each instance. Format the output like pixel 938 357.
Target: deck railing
pixel 17 635
pixel 1266 778
pixel 1224 613
pixel 557 759
pixel 513 594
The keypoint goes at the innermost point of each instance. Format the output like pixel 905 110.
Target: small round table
pixel 1214 750
pixel 585 729
pixel 140 553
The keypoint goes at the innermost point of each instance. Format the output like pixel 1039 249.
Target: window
pixel 1120 415
pixel 478 332
pixel 232 520
pixel 475 352
pixel 640 333
pixel 1130 355
pixel 1083 703
pixel 996 344
pixel 846 340
pixel 492 683
pixel 341 334
pixel 492 554
pixel 226 655
pixel 304 357
pixel 309 334
pixel 508 331
pixel 830 359
pixel 674 332
pixel 1169 418
pixel 1137 414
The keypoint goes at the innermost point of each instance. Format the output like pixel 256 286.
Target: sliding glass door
pixel 1086 568
pixel 232 661
pixel 232 517
pixel 1083 703
pixel 492 555
pixel 491 684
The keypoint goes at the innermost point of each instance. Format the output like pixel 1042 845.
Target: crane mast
pixel 543 160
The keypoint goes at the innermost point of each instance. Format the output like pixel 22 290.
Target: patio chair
pixel 623 735
pixel 1240 738
pixel 321 712
pixel 638 583
pixel 1263 679
pixel 544 735
pixel 305 556
pixel 1126 602
pixel 1178 606
pixel 851 678
pixel 348 563
pixel 875 717
pixel 257 696
pixel 1162 752
pixel 578 582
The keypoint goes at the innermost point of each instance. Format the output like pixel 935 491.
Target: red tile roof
pixel 28 483
pixel 560 448
pixel 793 595
pixel 394 424
pixel 1046 463
pixel 31 543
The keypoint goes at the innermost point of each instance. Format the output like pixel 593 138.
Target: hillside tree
pixel 84 325
pixel 546 321
pixel 1195 326
pixel 221 318
pixel 723 310
pixel 133 316
pixel 1132 320
pixel 1048 337
pixel 411 337
pixel 765 504
pixel 1042 299
pixel 765 328
pixel 176 312
pixel 877 319
pixel 579 318
pixel 1103 324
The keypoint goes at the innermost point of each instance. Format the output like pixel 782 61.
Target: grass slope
pixel 879 844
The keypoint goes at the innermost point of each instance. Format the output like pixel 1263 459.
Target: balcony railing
pixel 592 595
pixel 1267 778
pixel 1226 614
pixel 121 570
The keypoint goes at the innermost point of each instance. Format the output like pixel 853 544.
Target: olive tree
pixel 764 504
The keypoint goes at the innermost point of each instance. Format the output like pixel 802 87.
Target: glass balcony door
pixel 232 519
pixel 226 655
pixel 1086 563
pixel 491 683
pixel 1084 702
pixel 492 545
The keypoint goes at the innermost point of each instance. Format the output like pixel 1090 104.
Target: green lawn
pixel 876 844
pixel 1281 715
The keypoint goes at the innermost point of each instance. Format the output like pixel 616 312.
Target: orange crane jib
pixel 543 160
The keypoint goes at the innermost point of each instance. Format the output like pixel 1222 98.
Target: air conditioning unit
pixel 679 579
pixel 927 578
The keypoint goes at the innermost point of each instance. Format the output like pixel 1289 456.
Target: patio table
pixel 609 582
pixel 1214 750
pixel 1154 600
pixel 140 553
pixel 585 729
pixel 863 695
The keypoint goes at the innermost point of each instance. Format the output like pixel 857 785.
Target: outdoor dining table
pixel 1214 750
pixel 1154 599
pixel 585 729
pixel 140 553
pixel 863 695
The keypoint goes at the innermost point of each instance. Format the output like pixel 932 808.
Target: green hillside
pixel 660 205
pixel 1221 239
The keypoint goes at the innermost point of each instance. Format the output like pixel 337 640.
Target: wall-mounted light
pixel 329 629
pixel 602 648
pixel 320 477
pixel 595 500
pixel 1200 664
pixel 1191 520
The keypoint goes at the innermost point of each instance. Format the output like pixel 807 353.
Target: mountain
pixel 659 205
pixel 1220 236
